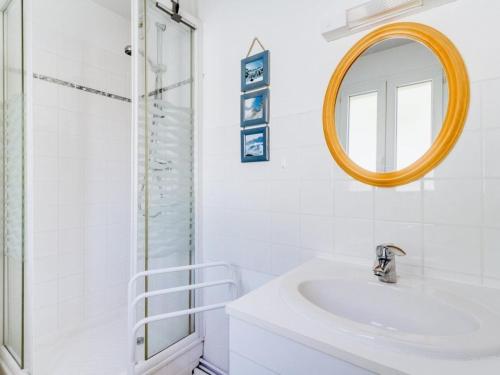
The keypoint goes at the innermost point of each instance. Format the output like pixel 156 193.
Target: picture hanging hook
pixel 255 40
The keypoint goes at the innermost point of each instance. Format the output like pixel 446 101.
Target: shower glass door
pixel 12 215
pixel 165 171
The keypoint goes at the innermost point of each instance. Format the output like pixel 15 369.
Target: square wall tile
pixel 46 143
pixel 45 118
pixel 70 123
pixel 456 249
pixel 215 247
pixel 46 193
pixel 285 229
pixel 474 115
pixel 45 294
pixel 286 132
pixel 491 260
pixel 46 168
pixel 491 202
pixel 256 193
pixel 71 313
pixel 45 62
pixel 71 264
pixel 250 225
pixel 402 203
pixel 353 237
pixel 453 201
pixel 285 164
pixel 490 110
pixel 353 199
pixel 46 217
pixel 71 240
pixel 45 269
pixel 71 216
pixel 45 321
pixel 71 287
pixel 464 161
pixel 316 198
pixel 315 163
pixel 45 93
pixel 316 233
pixel 253 255
pixel 45 244
pixel 311 129
pixel 285 197
pixel 492 152
pixel 284 258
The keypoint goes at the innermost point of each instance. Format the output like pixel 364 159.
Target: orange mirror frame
pixel 458 103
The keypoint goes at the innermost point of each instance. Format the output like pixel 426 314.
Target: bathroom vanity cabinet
pixel 257 351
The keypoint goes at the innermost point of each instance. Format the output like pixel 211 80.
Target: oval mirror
pixel 396 104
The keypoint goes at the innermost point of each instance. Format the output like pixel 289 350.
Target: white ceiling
pixel 121 7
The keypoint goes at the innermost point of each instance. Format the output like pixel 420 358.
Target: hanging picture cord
pixel 253 44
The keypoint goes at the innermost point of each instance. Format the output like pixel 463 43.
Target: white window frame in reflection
pixel 438 102
pixel 386 89
pixel 362 88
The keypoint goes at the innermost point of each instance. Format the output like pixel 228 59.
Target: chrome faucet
pixel 385 262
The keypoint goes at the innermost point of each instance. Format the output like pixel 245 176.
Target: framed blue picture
pixel 255 71
pixel 254 108
pixel 255 144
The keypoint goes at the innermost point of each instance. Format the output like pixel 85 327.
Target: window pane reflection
pixel 362 134
pixel 414 122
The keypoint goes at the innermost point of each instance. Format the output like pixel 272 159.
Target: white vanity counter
pixel 418 326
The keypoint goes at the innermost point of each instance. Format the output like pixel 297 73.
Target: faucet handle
pixel 388 249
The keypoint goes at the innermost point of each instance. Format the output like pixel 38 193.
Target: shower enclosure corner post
pixel 135 21
pixel 28 188
pixel 17 115
pixel 197 95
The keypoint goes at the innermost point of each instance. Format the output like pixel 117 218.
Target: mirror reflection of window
pixel 390 106
pixel 362 133
pixel 413 122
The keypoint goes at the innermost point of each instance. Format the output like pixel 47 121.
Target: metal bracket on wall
pixel 174 13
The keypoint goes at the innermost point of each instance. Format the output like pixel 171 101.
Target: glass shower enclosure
pixel 164 171
pixel 12 174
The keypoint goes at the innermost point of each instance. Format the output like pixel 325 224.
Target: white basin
pixel 409 316
pixel 390 308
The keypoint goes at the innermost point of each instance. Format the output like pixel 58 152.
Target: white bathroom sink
pixel 392 308
pixel 412 315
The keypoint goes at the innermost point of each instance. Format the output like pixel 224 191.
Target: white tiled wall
pixel 269 217
pixel 81 169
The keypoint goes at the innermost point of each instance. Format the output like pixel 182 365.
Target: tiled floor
pixel 100 350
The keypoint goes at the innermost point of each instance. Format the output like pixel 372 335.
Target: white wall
pixel 81 168
pixel 269 217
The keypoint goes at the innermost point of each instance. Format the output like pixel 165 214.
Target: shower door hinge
pixel 140 341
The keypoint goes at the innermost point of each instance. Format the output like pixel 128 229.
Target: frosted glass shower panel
pixel 13 186
pixel 166 192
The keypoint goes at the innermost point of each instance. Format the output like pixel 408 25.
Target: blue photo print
pixel 255 71
pixel 254 108
pixel 255 144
